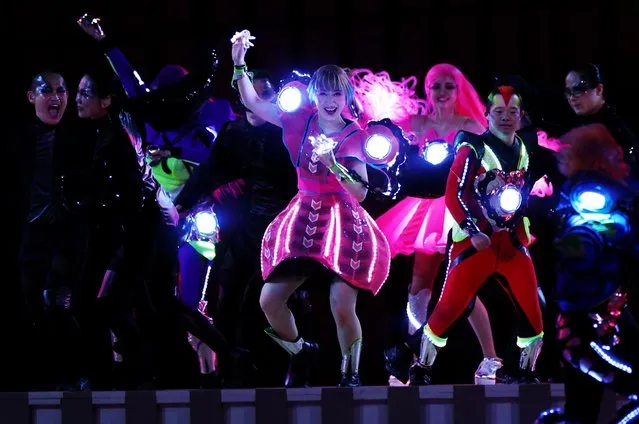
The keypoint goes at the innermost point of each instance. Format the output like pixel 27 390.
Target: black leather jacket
pixel 255 154
pixel 116 181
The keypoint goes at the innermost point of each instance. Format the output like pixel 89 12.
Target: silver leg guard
pixel 350 365
pixel 529 355
pixel 427 352
pixel 350 359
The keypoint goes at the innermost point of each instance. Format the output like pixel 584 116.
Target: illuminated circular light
pixel 289 99
pixel 378 147
pixel 591 201
pixel 436 152
pixel 206 223
pixel 510 199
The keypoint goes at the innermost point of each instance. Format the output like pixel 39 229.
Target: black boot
pixel 420 373
pixel 302 356
pixel 299 368
pixel 397 361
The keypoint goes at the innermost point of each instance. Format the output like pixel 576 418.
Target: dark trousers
pixel 52 262
pixel 237 279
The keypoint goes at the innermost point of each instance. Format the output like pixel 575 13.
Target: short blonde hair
pixel 331 78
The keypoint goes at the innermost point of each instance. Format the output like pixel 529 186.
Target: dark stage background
pixel 538 40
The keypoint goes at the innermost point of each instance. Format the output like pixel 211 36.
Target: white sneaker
pixel 394 382
pixel 487 370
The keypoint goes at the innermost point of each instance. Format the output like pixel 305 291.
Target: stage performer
pixel 249 149
pixel 323 228
pixel 99 100
pixel 486 194
pixel 420 226
pixel 597 244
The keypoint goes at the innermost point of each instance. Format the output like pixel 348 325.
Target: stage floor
pixel 443 404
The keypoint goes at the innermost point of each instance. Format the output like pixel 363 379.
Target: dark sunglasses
pixel 578 90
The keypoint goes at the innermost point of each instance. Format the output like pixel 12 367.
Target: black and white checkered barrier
pixel 445 404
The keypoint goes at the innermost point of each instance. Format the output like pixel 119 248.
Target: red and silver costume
pixel 485 177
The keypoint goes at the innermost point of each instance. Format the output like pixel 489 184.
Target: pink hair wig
pixel 379 97
pixel 468 103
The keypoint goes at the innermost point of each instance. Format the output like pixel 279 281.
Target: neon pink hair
pixel 468 103
pixel 379 97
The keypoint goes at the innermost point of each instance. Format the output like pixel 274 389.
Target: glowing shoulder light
pixel 591 201
pixel 510 199
pixel 206 223
pixel 289 99
pixel 378 146
pixel 436 152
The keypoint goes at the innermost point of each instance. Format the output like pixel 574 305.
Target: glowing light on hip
pixel 206 223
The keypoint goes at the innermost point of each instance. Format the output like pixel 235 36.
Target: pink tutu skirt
pixel 416 225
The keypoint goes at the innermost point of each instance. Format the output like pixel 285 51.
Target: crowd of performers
pixel 167 238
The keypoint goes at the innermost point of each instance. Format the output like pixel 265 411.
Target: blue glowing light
pixel 436 152
pixel 592 201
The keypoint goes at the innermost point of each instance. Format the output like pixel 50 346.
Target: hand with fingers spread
pixel 241 42
pixel 91 25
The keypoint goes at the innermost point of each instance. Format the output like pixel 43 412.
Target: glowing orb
pixel 289 99
pixel 378 147
pixel 436 152
pixel 206 223
pixel 510 199
pixel 591 201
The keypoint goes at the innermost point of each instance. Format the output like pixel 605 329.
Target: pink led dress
pixel 415 224
pixel 324 222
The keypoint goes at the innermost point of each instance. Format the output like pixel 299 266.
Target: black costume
pixel 597 337
pixel 164 328
pixel 50 258
pixel 257 155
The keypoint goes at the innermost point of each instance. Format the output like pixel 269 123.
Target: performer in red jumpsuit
pixel 486 194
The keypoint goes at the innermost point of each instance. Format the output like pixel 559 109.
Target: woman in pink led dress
pixel 324 227
pixel 420 226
